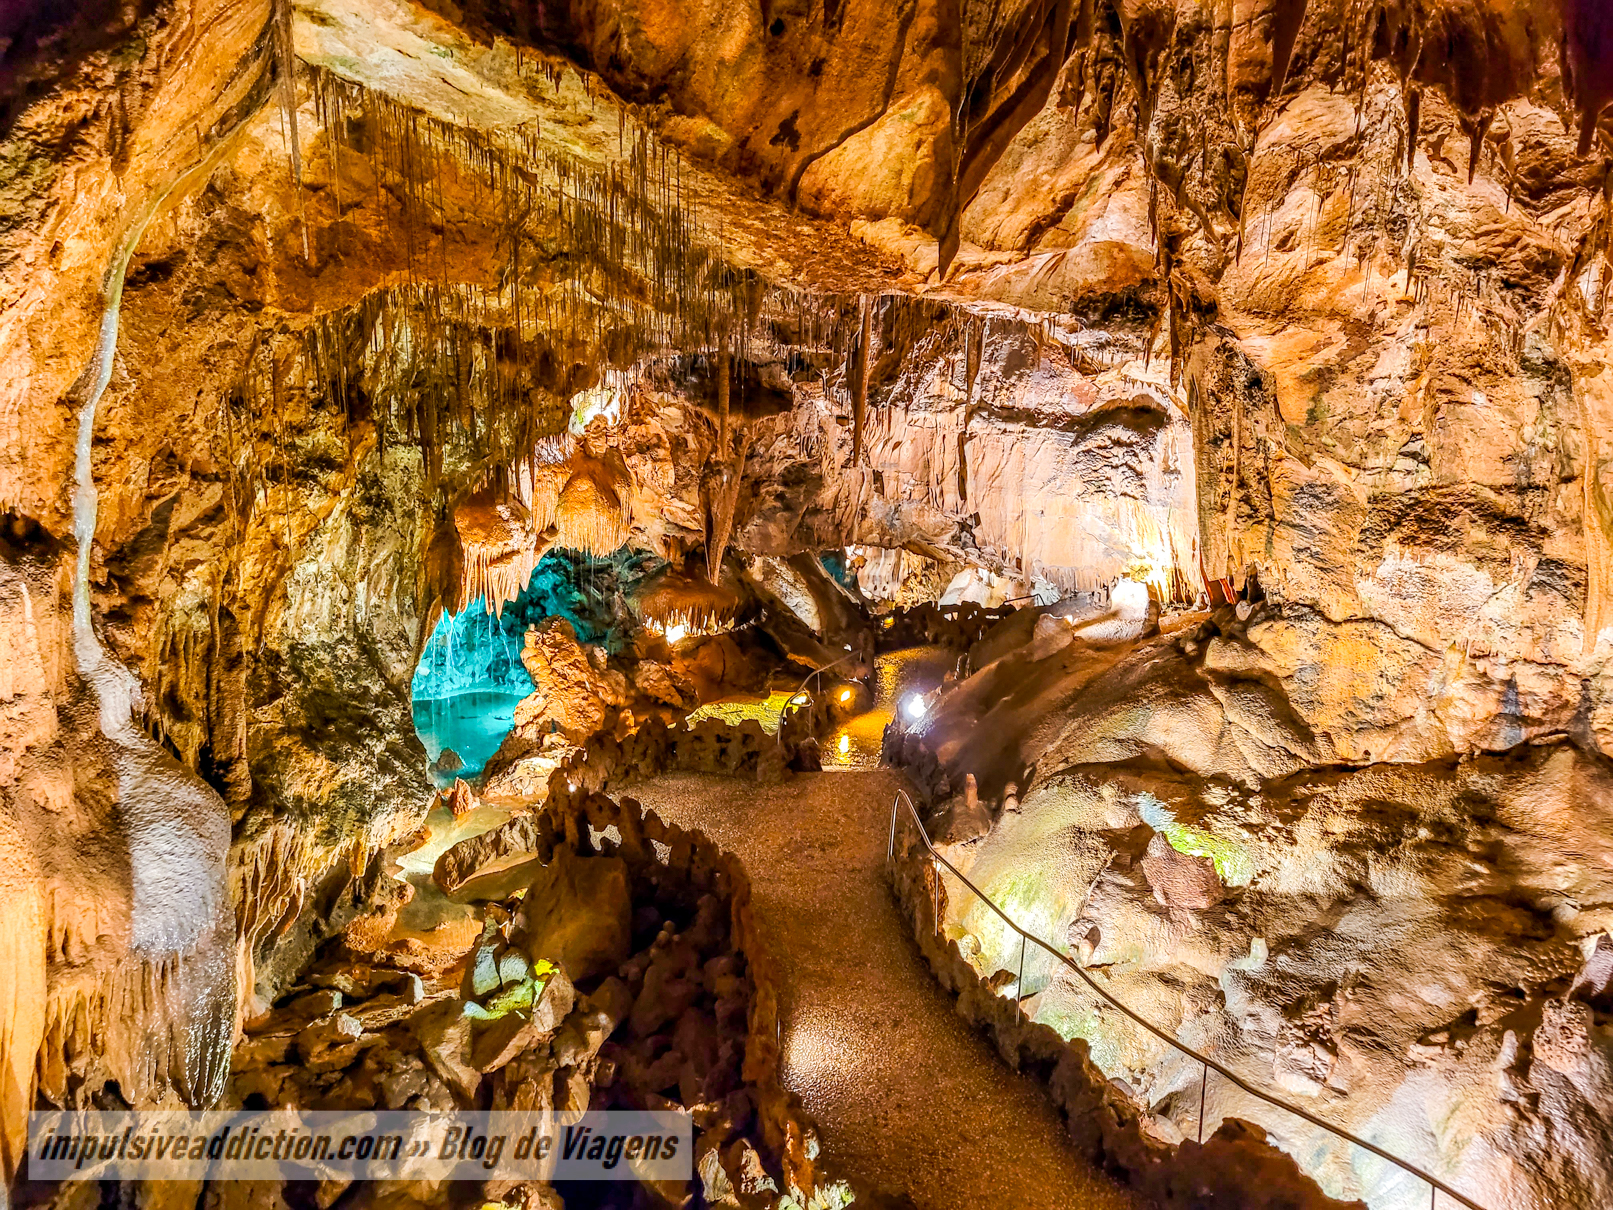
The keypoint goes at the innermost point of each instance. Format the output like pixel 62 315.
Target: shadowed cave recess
pixel 497 499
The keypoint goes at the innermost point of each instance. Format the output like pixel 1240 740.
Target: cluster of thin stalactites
pixel 558 495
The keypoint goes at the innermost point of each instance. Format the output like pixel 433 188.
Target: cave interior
pixel 983 601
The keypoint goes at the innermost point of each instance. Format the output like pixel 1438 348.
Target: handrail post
pixel 1019 988
pixel 778 736
pixel 890 849
pixel 936 898
pixel 1204 1083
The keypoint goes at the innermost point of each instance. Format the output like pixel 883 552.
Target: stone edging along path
pixel 651 747
pixel 575 812
pixel 1235 1167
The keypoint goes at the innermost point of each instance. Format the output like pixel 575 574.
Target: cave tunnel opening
pixel 470 677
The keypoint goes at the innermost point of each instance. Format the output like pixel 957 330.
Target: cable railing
pixel 801 688
pixel 1207 1064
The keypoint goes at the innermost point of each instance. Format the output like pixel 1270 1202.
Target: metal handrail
pixel 1436 1185
pixel 778 735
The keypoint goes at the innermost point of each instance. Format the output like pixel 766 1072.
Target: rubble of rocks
pixel 625 973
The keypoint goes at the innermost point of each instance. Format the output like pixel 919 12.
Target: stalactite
pixel 859 398
pixel 672 599
pixel 288 110
pixel 722 394
pixel 270 871
pixel 594 509
pixel 499 550
pixel 723 505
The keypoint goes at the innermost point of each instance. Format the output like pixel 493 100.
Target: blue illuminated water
pixel 472 724
pixel 470 674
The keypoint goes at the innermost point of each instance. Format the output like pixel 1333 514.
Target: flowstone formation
pixel 1415 950
pixel 612 358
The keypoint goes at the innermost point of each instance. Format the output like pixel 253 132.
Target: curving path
pixel 909 1100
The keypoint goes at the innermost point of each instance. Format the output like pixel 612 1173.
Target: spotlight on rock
pixel 845 697
pixel 676 631
pixel 913 707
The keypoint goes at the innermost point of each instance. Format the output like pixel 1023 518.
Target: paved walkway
pixel 909 1100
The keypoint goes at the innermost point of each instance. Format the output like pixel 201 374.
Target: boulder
pixel 1563 1039
pixel 1051 635
pixel 447 761
pixel 808 757
pixel 654 681
pixel 572 686
pixel 461 799
pixel 330 1044
pixel 577 913
pixel 743 1164
pixel 596 1017
pixel 496 1042
pixel 495 864
pixel 444 1034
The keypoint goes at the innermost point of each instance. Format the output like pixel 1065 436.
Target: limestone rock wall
pixel 1236 1166
pixel 105 110
pixel 1327 832
pixel 1370 243
pixel 121 939
pixel 1456 978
